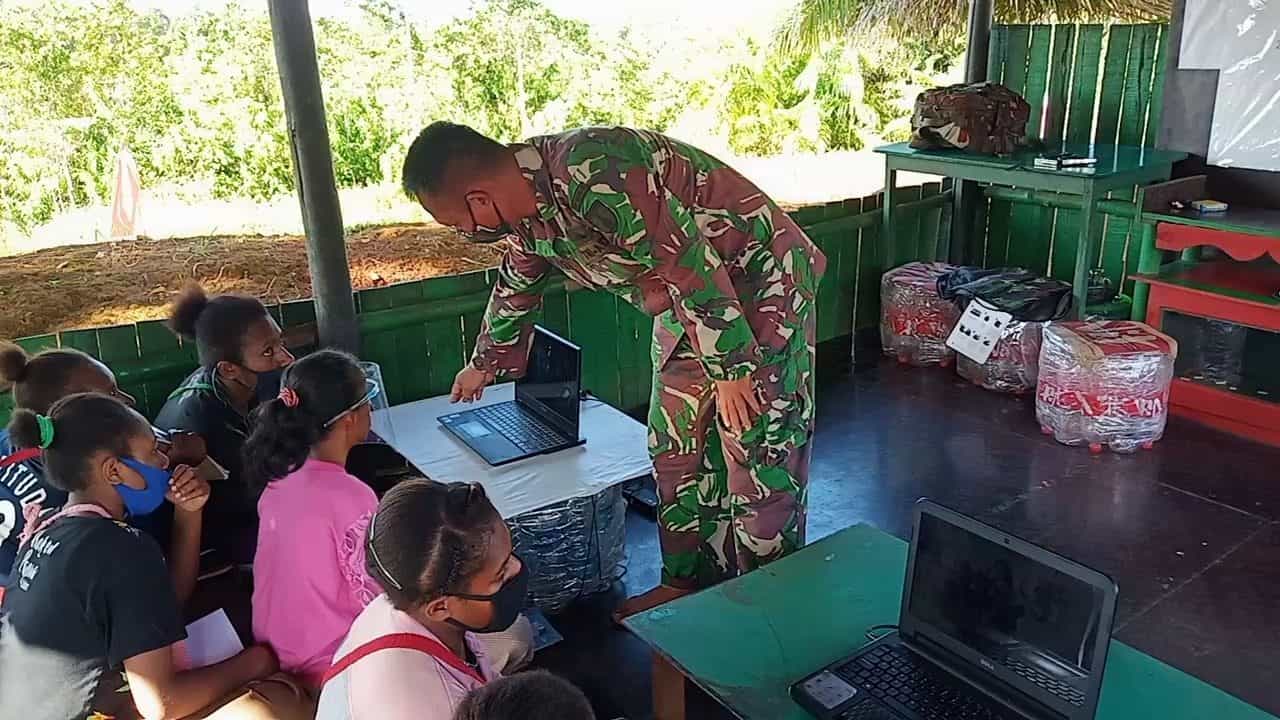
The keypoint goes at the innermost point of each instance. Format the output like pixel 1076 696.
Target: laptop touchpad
pixel 473 429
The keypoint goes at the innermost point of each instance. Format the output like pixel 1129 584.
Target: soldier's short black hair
pixel 534 695
pixel 441 151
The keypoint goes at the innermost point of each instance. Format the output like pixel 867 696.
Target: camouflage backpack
pixel 983 118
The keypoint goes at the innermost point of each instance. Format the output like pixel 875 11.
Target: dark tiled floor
pixel 1189 530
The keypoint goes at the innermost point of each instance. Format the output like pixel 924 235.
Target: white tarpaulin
pixel 125 197
pixel 1240 39
pixel 616 451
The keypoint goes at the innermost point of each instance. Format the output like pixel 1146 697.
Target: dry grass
pixel 105 284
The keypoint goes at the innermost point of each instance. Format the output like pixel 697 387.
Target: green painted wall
pixel 1085 84
pixel 422 332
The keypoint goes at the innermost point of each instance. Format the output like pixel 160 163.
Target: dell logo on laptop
pixel 986 664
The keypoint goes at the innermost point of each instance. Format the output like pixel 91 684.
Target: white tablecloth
pixel 616 451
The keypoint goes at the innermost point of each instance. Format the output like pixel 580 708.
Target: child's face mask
pixel 144 501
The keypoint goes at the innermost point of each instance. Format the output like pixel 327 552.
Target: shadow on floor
pixel 1188 530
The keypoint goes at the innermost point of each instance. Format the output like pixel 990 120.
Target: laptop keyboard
pixel 520 427
pixel 892 673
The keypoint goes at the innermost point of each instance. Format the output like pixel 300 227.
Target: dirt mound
pixel 112 283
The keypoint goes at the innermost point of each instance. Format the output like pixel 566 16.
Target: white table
pixel 565 511
pixel 616 450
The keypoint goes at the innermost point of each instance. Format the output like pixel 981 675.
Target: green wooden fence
pixel 422 332
pixel 1085 84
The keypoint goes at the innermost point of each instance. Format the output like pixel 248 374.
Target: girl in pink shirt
pixel 309 570
pixel 443 556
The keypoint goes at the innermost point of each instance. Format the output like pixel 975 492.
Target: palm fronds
pixel 816 21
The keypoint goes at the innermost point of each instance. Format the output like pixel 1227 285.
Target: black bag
pixel 1021 293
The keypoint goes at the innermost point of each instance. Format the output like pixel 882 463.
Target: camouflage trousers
pixel 730 503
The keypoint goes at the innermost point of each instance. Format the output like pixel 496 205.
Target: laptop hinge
pixel 555 420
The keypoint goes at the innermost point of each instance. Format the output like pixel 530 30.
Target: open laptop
pixel 991 628
pixel 544 416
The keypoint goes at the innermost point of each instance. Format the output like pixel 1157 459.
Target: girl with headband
pixel 444 560
pixel 309 579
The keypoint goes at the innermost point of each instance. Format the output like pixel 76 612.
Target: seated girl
pixel 90 595
pixel 443 557
pixel 38 382
pixel 309 578
pixel 241 355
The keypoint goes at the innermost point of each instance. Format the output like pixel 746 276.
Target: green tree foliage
pixel 768 103
pixel 840 97
pixel 510 60
pixel 196 97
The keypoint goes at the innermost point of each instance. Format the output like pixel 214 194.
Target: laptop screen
pixel 1035 620
pixel 551 380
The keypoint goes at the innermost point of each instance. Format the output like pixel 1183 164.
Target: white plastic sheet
pixel 616 451
pixel 1240 39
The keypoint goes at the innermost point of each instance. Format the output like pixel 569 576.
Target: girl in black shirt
pixel 39 381
pixel 89 595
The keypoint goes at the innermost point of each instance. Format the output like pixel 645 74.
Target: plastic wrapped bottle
pixel 1014 362
pixel 914 320
pixel 1223 352
pixel 1104 384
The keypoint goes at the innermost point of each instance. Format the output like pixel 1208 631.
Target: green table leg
pixel 889 226
pixel 1148 262
pixel 1090 230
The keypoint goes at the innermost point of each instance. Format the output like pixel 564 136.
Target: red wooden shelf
pixel 1249 283
pixel 1243 233
pixel 1244 292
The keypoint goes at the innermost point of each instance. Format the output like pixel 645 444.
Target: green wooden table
pixel 747 640
pixel 1120 167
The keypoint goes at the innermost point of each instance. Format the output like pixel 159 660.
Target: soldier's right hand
pixel 469 384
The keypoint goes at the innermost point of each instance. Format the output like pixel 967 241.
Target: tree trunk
pixel 522 98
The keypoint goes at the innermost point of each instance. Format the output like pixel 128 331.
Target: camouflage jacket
pixel 668 228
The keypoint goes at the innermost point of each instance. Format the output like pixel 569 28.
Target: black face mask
pixel 485 235
pixel 507 603
pixel 268 384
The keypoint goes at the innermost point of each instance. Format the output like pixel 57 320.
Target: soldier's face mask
pixel 485 233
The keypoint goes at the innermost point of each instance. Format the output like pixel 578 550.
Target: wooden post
pixel 968 218
pixel 313 171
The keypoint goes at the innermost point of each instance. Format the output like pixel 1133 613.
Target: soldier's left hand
pixel 737 403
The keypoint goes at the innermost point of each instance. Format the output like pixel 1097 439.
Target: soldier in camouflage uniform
pixel 730 280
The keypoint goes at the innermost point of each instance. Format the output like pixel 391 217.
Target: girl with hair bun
pixel 241 354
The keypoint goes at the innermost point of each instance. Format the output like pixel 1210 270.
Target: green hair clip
pixel 46 430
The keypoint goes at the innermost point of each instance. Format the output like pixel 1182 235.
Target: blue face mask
pixel 145 501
